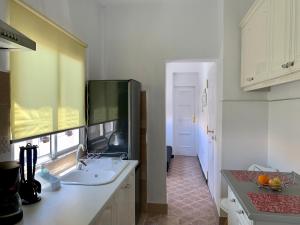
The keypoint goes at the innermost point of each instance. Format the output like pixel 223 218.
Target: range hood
pixel 11 39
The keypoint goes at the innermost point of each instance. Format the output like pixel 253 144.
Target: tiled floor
pixel 189 200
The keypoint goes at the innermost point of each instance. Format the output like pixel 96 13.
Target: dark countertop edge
pixel 260 216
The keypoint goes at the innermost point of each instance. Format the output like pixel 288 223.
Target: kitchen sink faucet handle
pixel 79 152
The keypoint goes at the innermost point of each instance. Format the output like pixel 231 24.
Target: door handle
pixel 209 131
pixel 194 119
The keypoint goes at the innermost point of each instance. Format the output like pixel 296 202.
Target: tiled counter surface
pixel 240 190
pixel 73 204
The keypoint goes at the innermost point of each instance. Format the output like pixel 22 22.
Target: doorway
pixel 191 104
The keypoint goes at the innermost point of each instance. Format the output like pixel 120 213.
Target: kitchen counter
pixel 73 204
pixel 241 189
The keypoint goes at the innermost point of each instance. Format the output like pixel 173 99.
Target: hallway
pixel 189 200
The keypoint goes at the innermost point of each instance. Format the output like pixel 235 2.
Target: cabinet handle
pixel 127 186
pixel 232 200
pixel 250 78
pixel 240 212
pixel 285 66
pixel 290 64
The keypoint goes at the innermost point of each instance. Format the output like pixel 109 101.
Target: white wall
pixel 82 18
pixel 207 113
pixel 284 127
pixel 243 123
pixel 203 122
pixel 169 103
pixel 140 37
pixel 233 99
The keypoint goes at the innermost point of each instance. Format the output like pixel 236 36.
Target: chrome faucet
pixel 80 162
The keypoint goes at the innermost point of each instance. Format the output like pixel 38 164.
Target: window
pixel 101 130
pixel 67 140
pixel 43 150
pixel 109 127
pixel 51 146
pixel 47 85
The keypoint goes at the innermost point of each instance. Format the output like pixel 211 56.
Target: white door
pixel 184 121
pixel 211 129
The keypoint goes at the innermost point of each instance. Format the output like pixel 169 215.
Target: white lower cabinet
pixel 108 216
pixel 125 202
pixel 120 210
pixel 236 214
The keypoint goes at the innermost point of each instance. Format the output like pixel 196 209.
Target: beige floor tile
pixel 189 199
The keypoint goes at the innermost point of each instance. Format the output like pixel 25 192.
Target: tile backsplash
pixel 4 145
pixel 4 113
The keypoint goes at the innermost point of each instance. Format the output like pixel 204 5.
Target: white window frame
pixel 53 153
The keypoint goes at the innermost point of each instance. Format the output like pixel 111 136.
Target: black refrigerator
pixel 113 117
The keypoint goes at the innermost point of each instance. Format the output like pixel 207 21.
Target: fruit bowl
pixel 276 187
pixel 274 184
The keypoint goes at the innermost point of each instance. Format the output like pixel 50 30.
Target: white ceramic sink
pixel 97 172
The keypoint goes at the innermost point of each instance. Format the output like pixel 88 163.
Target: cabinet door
pixel 255 48
pixel 125 199
pixel 232 218
pixel 296 36
pixel 108 216
pixel 280 42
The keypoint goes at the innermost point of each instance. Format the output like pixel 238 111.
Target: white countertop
pixel 73 204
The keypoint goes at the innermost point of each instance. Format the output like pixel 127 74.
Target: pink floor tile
pixel 189 199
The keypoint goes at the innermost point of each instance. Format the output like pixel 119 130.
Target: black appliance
pixel 10 202
pixel 116 101
pixel 29 188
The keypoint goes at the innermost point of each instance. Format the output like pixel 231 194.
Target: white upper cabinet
pixel 255 38
pixel 270 44
pixel 296 34
pixel 280 42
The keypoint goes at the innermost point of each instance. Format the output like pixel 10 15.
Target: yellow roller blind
pixel 47 85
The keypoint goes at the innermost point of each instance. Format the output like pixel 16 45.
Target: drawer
pixel 237 209
pixel 231 196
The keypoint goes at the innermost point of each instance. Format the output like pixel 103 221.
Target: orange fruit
pixel 263 179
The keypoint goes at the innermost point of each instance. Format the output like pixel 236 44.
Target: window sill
pixel 62 163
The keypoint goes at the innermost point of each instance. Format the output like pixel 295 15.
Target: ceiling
pixel 112 2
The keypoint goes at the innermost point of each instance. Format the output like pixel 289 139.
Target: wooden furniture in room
pixel 143 147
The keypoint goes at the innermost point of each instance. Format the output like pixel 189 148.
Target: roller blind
pixel 47 85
